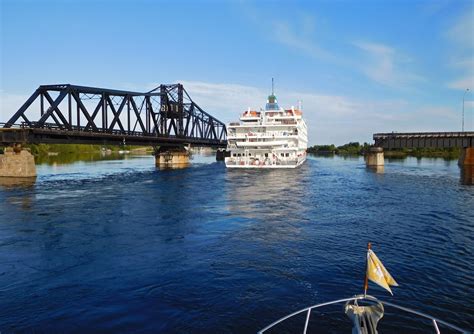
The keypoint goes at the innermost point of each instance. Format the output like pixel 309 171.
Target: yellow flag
pixel 377 273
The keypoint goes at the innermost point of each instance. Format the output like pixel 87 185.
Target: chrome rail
pixel 434 320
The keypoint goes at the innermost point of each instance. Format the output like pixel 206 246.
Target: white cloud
pixel 462 32
pixel 224 101
pixel 330 118
pixel 9 104
pixel 304 34
pixel 461 36
pixel 298 34
pixel 334 119
pixel 466 63
pixel 434 7
pixel 462 83
pixel 291 36
pixel 385 65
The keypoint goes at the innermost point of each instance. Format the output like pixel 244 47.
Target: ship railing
pixel 285 134
pixel 288 163
pixel 263 161
pixel 434 321
pixel 282 122
pixel 283 114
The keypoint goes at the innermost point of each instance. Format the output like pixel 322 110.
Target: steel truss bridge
pixel 164 116
pixel 424 140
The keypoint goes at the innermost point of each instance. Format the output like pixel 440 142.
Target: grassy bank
pixel 446 153
pixel 44 149
pixel 64 149
pixel 69 153
pixel 352 148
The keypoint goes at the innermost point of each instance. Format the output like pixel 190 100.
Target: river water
pixel 119 246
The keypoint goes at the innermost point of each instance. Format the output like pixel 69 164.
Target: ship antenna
pixel 272 86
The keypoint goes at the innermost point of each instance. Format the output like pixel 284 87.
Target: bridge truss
pixel 67 113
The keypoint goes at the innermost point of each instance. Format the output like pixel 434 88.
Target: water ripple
pixel 120 246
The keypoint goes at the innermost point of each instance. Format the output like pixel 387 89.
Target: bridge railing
pixel 14 126
pixel 423 134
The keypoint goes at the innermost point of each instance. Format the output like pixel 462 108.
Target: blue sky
pixel 359 67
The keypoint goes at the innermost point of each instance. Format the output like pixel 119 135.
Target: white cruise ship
pixel 270 138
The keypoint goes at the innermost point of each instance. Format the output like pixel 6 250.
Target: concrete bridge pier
pixel 221 154
pixel 466 162
pixel 171 157
pixel 375 157
pixel 467 157
pixel 17 162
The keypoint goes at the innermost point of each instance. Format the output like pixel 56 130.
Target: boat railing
pixel 281 122
pixel 434 321
pixel 252 161
pixel 282 134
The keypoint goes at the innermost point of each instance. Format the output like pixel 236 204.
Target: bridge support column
pixel 221 154
pixel 374 158
pixel 466 162
pixel 171 157
pixel 17 162
pixel 467 157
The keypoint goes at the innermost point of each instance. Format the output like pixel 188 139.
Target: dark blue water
pixel 118 246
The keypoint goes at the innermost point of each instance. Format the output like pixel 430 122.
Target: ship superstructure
pixel 269 138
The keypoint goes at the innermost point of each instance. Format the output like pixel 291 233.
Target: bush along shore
pixel 69 153
pixel 355 148
pixel 54 149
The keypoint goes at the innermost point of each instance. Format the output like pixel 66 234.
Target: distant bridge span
pixel 397 140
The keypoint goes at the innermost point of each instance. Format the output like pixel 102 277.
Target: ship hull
pixel 267 166
pixel 243 165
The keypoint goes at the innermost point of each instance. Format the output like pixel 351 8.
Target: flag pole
pixel 366 282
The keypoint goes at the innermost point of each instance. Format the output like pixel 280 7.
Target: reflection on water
pixel 276 191
pixel 23 184
pixel 271 207
pixel 173 166
pixel 123 246
pixel 72 157
pixel 376 169
pixel 467 175
pixel 20 182
pixel 348 157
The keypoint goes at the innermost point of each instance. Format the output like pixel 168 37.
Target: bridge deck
pixel 81 136
pixel 396 140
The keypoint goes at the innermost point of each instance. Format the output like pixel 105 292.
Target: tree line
pixel 355 148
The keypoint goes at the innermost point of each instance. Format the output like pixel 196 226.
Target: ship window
pixel 250 154
pixel 235 154
pixel 266 155
pixel 238 155
pixel 288 154
pixel 282 155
